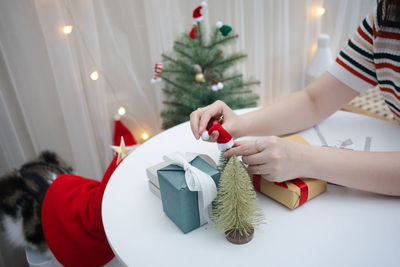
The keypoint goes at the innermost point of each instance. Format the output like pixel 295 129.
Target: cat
pixel 21 196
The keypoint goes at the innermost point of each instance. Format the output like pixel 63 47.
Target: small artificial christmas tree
pixel 196 74
pixel 236 210
pixel 222 162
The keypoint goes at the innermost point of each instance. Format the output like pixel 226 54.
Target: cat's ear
pixel 53 158
pixel 49 157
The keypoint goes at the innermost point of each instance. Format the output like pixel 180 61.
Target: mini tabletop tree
pixel 222 162
pixel 236 210
pixel 197 73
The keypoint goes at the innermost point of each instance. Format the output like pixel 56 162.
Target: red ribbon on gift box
pixel 298 182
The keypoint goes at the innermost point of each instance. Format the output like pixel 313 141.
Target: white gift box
pixel 153 184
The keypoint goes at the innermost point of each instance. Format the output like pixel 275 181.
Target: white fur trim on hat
pixel 156 80
pixel 205 136
pixel 225 146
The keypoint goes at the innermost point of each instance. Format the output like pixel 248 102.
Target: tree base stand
pixel 236 238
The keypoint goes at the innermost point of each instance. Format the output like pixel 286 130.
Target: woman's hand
pixel 274 158
pixel 200 118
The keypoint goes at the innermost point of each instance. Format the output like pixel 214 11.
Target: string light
pixel 121 110
pixel 145 136
pixel 320 11
pixel 67 29
pixel 94 75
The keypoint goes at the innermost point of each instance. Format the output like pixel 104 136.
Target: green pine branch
pixel 175 71
pixel 182 44
pixel 183 53
pixel 178 105
pixel 177 63
pixel 200 33
pixel 232 77
pixel 237 92
pixel 165 79
pixel 239 86
pixel 223 41
pixel 182 96
pixel 214 59
pixel 229 60
pixel 215 36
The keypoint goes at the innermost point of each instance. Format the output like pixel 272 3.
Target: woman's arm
pixel 377 172
pixel 297 111
pixel 277 160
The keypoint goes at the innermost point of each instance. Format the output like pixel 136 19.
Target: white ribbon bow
pixel 196 180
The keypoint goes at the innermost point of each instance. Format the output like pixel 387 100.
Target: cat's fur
pixel 21 196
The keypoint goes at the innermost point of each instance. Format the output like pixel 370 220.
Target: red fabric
pixel 388 66
pixel 300 184
pixel 283 184
pixel 193 33
pixel 364 35
pixel 223 137
pixel 303 190
pixel 388 35
pixel 120 130
pixel 257 182
pixel 197 12
pixel 72 223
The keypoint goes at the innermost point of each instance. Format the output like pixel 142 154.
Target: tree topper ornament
pixel 197 16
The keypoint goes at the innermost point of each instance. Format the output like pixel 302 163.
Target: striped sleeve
pixel 354 66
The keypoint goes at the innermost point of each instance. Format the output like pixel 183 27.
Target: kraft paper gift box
pixel 179 203
pixel 153 184
pixel 292 193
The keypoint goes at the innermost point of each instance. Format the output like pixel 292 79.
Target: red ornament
pixel 193 33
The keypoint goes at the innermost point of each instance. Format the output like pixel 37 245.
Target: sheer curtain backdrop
pixel 48 101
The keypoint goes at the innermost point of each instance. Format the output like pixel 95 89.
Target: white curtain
pixel 48 101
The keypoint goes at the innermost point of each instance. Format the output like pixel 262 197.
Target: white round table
pixel 341 227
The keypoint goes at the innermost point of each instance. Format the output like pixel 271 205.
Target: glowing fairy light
pixel 121 110
pixel 320 11
pixel 145 136
pixel 94 75
pixel 67 29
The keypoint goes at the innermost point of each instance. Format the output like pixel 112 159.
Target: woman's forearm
pixel 377 172
pixel 297 111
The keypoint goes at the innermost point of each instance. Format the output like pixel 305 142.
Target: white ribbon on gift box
pixel 196 180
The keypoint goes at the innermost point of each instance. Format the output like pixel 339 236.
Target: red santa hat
pixel 120 131
pixel 71 220
pixel 224 139
pixel 197 16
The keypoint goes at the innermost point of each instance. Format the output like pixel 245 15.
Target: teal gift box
pixel 179 203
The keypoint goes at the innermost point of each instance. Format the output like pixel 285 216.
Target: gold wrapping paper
pixel 289 193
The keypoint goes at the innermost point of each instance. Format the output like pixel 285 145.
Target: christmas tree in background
pixel 196 73
pixel 236 211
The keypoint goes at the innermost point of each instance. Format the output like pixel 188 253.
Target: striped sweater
pixel 372 57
